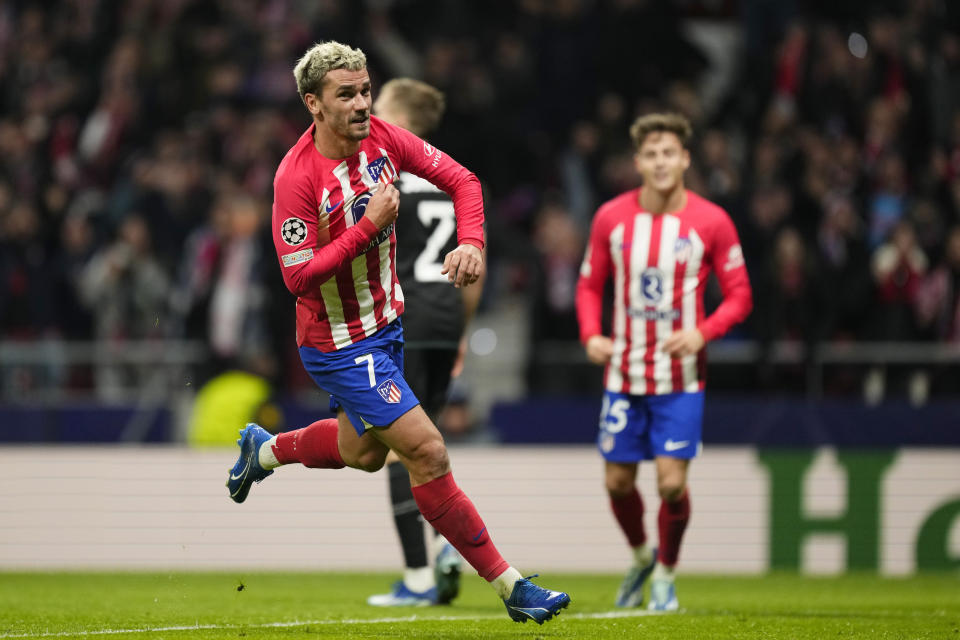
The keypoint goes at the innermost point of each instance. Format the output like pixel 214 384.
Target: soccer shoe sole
pixel 538 614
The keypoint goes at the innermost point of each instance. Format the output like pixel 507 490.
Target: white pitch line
pixel 299 623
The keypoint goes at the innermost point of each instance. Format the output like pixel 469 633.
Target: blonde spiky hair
pixel 322 58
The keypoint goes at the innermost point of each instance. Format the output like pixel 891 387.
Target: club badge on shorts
pixel 390 392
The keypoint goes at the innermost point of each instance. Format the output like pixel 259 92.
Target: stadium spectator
pixel 136 106
pixel 658 244
pixel 127 291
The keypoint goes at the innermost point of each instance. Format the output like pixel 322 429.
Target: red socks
pixel 629 513
pixel 314 446
pixel 672 521
pixel 452 513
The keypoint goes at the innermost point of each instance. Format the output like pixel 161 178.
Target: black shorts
pixel 427 371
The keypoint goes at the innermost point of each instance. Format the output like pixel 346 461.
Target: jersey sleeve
pixel 593 276
pixel 726 260
pixel 423 159
pixel 306 259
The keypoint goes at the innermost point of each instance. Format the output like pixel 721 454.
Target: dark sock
pixel 407 517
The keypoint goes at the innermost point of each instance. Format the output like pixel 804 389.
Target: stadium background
pixel 141 304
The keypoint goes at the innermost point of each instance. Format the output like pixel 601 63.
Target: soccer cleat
pixel 527 601
pixel 401 596
pixel 446 570
pixel 631 589
pixel 663 596
pixel 247 470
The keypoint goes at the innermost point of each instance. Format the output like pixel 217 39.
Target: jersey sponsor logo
pixel 655 314
pixel 297 257
pixel 734 258
pixel 382 170
pixel 651 285
pixel 293 231
pixel 390 391
pixel 682 250
pixel 430 150
pixel 359 207
pixel 675 445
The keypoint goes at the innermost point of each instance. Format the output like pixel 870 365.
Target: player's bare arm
pixel 684 342
pixel 464 265
pixel 599 349
pixel 383 207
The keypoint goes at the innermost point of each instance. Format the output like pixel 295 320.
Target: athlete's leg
pixel 674 506
pixel 419 445
pixel 427 371
pixel 625 500
pixel 326 444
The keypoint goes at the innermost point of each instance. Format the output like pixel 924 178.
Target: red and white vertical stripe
pixel 363 301
pixel 642 321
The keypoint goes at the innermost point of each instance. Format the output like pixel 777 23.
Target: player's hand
pixel 684 342
pixel 383 206
pixel 463 266
pixel 599 349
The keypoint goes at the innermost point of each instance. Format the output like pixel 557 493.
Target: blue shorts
pixel 365 378
pixel 635 428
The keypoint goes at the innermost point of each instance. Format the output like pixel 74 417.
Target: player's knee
pixel 371 461
pixel 430 458
pixel 671 489
pixel 619 486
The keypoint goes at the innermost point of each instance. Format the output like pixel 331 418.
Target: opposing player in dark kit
pixel 434 317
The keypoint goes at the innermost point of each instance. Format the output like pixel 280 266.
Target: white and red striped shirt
pixel 659 264
pixel 334 260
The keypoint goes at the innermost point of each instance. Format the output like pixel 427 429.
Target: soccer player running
pixel 434 317
pixel 333 214
pixel 659 243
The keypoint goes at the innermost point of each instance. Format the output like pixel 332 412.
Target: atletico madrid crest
pixel 390 392
pixel 381 170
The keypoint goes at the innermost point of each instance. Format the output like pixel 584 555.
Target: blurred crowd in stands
pixel 138 143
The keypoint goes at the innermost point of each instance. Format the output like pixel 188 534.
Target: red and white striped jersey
pixel 659 265
pixel 334 260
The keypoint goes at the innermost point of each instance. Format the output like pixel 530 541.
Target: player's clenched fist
pixel 463 265
pixel 383 206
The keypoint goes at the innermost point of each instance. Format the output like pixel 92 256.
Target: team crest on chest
pixel 683 250
pixel 381 170
pixel 293 231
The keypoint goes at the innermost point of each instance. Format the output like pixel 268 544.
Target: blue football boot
pixel 663 596
pixel 527 601
pixel 631 589
pixel 247 470
pixel 403 596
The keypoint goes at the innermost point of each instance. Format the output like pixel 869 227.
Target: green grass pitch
pixel 254 605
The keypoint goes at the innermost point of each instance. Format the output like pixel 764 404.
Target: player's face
pixel 344 104
pixel 662 160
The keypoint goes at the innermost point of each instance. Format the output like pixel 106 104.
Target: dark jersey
pixel 426 233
